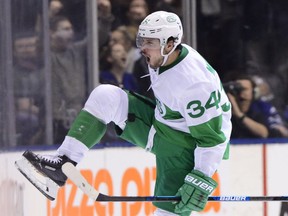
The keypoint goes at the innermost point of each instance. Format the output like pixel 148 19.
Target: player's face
pixel 151 50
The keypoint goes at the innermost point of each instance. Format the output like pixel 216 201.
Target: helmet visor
pixel 147 43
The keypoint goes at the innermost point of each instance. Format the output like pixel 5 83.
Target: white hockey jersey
pixel 192 107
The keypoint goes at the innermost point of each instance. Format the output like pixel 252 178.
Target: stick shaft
pixel 247 198
pixel 76 177
pixel 104 198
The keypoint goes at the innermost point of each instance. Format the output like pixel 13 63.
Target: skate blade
pixel 44 184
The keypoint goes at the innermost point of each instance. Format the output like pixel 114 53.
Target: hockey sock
pixel 87 129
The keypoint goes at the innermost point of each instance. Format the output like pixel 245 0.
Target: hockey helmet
pixel 161 25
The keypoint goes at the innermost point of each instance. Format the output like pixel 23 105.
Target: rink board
pixel 252 170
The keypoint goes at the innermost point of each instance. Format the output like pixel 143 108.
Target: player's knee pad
pixel 108 103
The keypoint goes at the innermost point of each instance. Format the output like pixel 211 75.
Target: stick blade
pixel 76 177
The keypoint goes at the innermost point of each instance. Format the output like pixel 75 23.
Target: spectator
pixel 126 34
pixel 105 19
pixel 121 35
pixel 125 29
pixel 137 11
pixel 55 9
pixel 28 89
pixel 115 72
pixel 252 117
pixel 75 11
pixel 68 62
pixel 128 12
pixel 68 58
pixel 265 92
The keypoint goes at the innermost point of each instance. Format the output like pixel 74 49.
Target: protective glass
pixel 147 43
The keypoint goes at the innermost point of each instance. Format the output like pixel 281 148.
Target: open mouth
pixel 123 59
pixel 146 57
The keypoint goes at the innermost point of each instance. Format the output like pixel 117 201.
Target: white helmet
pixel 161 25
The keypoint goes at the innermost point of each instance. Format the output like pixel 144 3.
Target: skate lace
pixel 51 158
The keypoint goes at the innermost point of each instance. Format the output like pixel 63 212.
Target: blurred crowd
pixel 245 42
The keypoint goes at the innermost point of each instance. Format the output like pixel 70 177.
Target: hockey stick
pixel 76 177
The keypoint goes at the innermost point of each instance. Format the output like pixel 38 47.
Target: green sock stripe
pixel 87 129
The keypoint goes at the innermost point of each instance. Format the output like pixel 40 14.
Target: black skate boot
pixel 49 167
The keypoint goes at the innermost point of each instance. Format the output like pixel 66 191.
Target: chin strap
pixel 165 57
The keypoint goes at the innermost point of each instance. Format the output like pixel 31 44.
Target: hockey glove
pixel 195 191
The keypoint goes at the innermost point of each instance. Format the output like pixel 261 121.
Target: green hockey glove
pixel 195 191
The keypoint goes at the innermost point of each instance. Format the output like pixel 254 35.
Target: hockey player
pixel 187 127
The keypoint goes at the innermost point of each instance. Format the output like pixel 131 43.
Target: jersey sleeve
pixel 207 112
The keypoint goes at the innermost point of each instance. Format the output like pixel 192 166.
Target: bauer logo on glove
pixel 194 192
pixel 199 183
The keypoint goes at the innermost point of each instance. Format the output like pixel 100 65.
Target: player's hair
pixel 178 47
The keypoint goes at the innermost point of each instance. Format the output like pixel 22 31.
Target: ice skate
pixel 44 172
